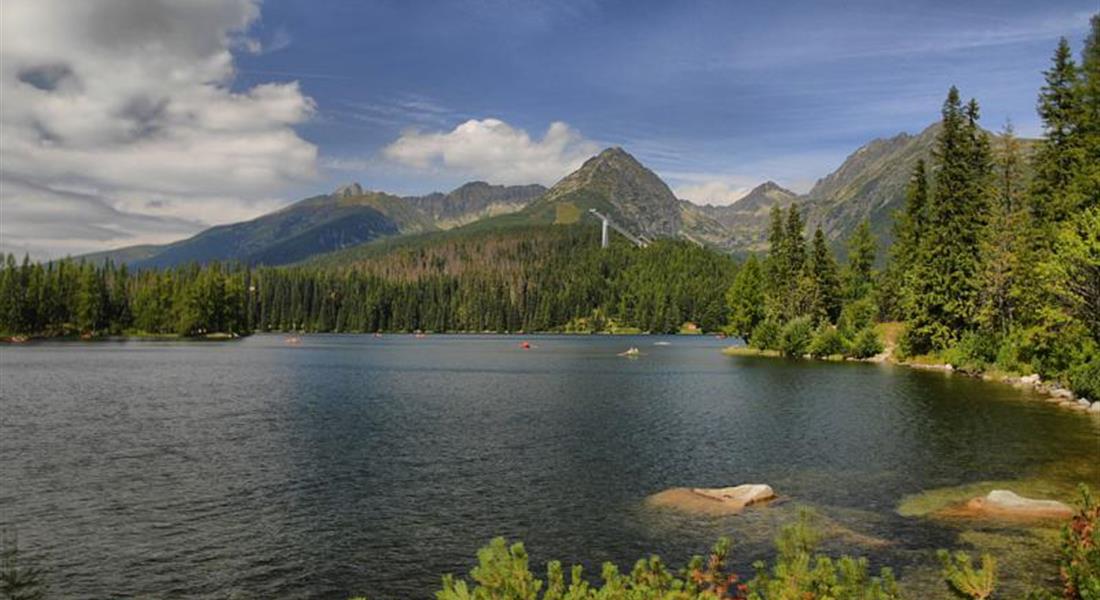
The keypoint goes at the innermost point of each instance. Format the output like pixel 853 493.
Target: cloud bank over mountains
pixel 121 124
pixel 493 150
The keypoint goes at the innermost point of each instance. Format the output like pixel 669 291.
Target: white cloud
pixel 120 125
pixel 493 150
pixel 712 192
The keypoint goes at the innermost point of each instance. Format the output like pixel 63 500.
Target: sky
pixel 144 121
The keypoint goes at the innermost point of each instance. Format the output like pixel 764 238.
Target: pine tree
pixel 12 297
pixel 895 298
pixel 91 303
pixel 1086 184
pixel 1007 273
pixel 824 293
pixel 945 282
pixel 859 275
pixel 120 315
pixel 1060 152
pixel 797 289
pixel 777 265
pixel 746 299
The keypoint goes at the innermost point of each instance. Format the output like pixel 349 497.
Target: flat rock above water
pixel 1005 504
pixel 713 501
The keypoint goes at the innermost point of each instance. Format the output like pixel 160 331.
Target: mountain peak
pixel 616 184
pixel 768 186
pixel 349 190
pixel 472 185
pixel 614 151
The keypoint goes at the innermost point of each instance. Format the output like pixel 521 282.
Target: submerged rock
pixel 713 501
pixel 1005 504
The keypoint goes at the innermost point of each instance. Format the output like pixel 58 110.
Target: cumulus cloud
pixel 712 192
pixel 121 126
pixel 493 150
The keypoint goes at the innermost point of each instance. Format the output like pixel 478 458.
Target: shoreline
pixel 1053 392
pixel 213 337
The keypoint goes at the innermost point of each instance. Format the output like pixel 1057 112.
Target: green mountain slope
pixel 315 225
pixel 347 217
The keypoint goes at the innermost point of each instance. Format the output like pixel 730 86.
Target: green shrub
pixel 856 316
pixel 1084 379
pixel 827 341
pixel 1056 345
pixel 503 573
pixel 964 579
pixel 800 573
pixel 866 344
pixel 765 336
pixel 795 338
pixel 1010 356
pixel 974 351
pixel 912 343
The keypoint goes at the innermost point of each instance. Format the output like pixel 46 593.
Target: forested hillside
pixel 539 278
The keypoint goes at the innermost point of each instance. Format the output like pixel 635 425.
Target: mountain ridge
pixel 869 184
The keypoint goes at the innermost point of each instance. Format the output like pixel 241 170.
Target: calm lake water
pixel 357 465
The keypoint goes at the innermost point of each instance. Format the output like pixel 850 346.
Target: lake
pixel 359 465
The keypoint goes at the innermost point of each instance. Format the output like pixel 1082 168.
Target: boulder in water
pixel 713 501
pixel 1004 504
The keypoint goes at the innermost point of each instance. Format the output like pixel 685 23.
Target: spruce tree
pixel 777 265
pixel 1060 153
pixel 859 275
pixel 944 278
pixel 1007 272
pixel 897 288
pixel 823 273
pixel 746 299
pixel 797 289
pixel 1087 181
pixel 91 303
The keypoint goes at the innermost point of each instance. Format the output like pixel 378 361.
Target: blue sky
pixel 703 91
pixel 145 121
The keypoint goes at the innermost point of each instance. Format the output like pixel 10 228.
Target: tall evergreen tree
pixel 896 287
pixel 1007 271
pixel 777 265
pixel 796 290
pixel 1060 152
pixel 825 300
pixel 1087 183
pixel 746 299
pixel 859 274
pixel 945 282
pixel 91 304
